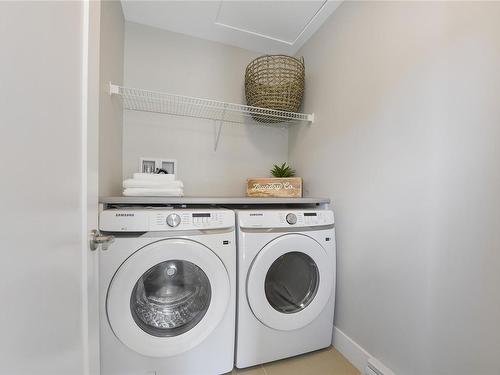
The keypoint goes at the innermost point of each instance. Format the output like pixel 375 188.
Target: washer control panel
pixel 153 219
pixel 284 218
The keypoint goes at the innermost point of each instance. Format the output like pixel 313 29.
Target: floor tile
pixel 255 370
pixel 323 362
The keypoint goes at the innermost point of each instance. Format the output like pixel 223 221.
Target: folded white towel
pixel 139 192
pixel 152 184
pixel 154 177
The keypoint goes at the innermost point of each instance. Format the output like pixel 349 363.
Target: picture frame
pixel 151 165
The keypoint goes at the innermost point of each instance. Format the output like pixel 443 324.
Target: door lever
pixel 96 239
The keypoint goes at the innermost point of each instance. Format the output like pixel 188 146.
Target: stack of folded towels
pixel 153 185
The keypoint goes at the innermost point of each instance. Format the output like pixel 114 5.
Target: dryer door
pixel 167 297
pixel 290 282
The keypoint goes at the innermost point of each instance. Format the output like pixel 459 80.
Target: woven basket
pixel 275 82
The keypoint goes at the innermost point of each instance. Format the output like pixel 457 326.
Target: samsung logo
pixel 256 214
pixel 124 214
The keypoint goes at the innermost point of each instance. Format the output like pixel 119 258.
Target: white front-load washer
pixel 286 283
pixel 167 291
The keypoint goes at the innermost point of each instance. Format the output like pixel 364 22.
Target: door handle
pixel 96 239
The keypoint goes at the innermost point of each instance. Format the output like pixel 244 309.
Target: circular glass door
pixel 291 282
pixel 167 297
pixel 170 298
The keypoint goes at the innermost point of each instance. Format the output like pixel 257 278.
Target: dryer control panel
pixel 284 218
pixel 156 220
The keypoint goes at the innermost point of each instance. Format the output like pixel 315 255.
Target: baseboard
pixel 358 356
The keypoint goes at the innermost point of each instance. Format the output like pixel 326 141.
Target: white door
pixel 290 282
pixel 167 297
pixel 44 124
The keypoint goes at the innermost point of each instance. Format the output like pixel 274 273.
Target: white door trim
pixel 91 12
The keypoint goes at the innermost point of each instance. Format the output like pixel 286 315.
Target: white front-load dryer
pixel 286 283
pixel 167 291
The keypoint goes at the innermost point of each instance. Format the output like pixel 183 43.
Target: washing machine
pixel 286 283
pixel 167 291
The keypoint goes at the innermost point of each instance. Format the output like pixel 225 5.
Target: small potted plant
pixel 283 184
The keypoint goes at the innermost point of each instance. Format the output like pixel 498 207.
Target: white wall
pixel 406 144
pixel 161 60
pixel 110 107
pixel 41 188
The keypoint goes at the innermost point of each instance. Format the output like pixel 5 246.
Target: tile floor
pixel 322 362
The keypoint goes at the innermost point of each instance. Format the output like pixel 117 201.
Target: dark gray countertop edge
pixel 211 200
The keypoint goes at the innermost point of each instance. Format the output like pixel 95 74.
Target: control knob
pixel 291 219
pixel 173 220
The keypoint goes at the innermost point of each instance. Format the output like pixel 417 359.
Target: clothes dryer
pixel 286 283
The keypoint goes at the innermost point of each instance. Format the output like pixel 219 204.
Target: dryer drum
pixel 170 298
pixel 292 282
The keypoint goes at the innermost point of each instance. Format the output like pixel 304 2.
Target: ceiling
pixel 262 26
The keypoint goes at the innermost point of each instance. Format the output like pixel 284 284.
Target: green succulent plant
pixel 282 170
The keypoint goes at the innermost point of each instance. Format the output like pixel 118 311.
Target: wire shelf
pixel 160 102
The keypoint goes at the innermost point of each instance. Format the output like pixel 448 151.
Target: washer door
pixel 290 282
pixel 167 297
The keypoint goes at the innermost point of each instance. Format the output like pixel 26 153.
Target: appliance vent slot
pixel 374 367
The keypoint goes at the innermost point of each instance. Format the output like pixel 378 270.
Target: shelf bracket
pixel 217 131
pixel 114 89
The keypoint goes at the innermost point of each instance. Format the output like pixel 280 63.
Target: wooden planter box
pixel 275 187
